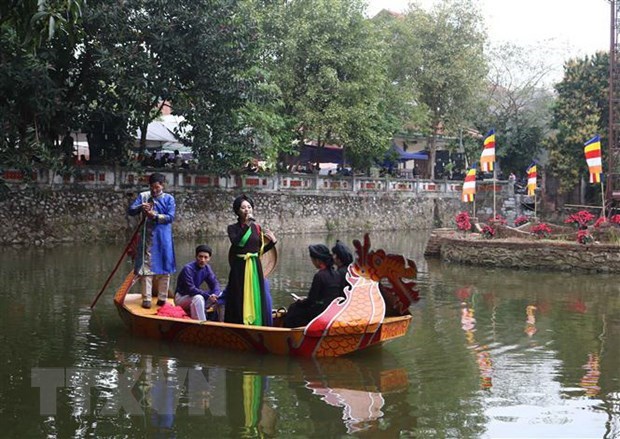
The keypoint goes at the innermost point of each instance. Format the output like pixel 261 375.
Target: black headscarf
pixel 240 199
pixel 321 252
pixel 343 253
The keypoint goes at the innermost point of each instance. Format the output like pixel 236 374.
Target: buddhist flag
pixel 488 153
pixel 531 179
pixel 593 158
pixel 469 186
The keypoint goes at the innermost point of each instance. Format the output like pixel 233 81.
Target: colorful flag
pixel 469 186
pixel 593 158
pixel 531 179
pixel 488 153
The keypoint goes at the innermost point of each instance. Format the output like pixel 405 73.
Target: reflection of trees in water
pixel 570 318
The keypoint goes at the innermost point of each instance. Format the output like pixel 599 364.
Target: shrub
pixel 584 237
pixel 600 221
pixel 541 230
pixel 581 218
pixel 615 219
pixel 498 220
pixel 462 221
pixel 488 232
pixel 520 220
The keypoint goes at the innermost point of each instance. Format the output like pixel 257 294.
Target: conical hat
pixel 269 259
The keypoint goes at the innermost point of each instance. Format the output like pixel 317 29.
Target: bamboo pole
pixel 603 197
pixel 494 197
pixel 127 247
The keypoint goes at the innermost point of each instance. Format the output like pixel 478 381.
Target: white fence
pixel 106 177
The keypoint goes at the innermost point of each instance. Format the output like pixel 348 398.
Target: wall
pixel 91 206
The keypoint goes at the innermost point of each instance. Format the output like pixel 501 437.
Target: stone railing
pixel 119 178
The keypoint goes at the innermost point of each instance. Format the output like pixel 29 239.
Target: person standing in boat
pixel 342 259
pixel 246 298
pixel 154 260
pixel 188 294
pixel 326 286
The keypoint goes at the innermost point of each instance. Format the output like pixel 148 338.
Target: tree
pixel 194 55
pixel 517 104
pixel 37 79
pixel 445 64
pixel 581 111
pixel 329 67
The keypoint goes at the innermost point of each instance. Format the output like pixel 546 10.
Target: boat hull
pixel 260 339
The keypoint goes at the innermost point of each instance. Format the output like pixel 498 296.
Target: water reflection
pixel 243 394
pixel 482 356
pixel 353 387
pixel 530 320
pixel 490 353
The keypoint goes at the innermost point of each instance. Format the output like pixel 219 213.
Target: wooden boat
pixel 347 325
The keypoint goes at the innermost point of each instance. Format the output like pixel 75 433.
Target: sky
pixel 572 28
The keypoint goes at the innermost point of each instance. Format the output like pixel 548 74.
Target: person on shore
pixel 342 259
pixel 154 260
pixel 324 289
pixel 188 294
pixel 246 299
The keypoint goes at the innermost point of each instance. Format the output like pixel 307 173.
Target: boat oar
pixel 127 247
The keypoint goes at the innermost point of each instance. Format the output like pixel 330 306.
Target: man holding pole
pixel 154 261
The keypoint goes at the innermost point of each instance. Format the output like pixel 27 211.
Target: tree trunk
pixel 432 147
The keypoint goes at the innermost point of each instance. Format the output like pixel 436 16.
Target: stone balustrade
pixel 105 177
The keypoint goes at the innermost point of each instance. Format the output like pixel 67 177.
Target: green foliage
pixel 252 78
pixel 444 64
pixel 580 112
pixel 36 23
pixel 38 102
pixel 328 64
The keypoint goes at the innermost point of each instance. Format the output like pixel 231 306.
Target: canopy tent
pixel 325 154
pixel 184 151
pixel 403 156
pixel 158 135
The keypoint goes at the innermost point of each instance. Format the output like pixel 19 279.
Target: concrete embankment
pixel 453 246
pixel 45 217
pixel 51 210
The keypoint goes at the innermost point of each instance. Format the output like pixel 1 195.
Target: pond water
pixel 490 353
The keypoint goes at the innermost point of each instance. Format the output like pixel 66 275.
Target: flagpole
pixel 603 197
pixel 473 212
pixel 494 215
pixel 535 206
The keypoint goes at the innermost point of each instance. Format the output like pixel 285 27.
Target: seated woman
pixel 326 286
pixel 342 259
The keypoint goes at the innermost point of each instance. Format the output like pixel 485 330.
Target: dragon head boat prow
pixel 394 272
pixel 360 314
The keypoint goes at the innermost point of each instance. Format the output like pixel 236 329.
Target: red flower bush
pixel 488 232
pixel 600 221
pixel 498 220
pixel 520 220
pixel 541 230
pixel 615 219
pixel 584 237
pixel 463 222
pixel 581 218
